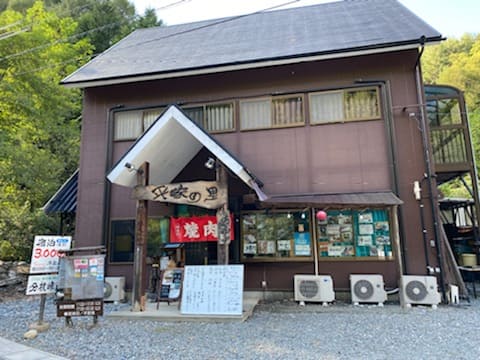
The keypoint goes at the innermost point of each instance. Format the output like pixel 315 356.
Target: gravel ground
pixel 277 330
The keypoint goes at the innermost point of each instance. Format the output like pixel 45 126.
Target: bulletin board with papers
pixel 213 290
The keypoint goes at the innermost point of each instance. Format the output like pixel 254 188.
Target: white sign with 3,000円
pixel 45 253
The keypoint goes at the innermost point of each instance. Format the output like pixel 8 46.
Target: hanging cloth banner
pixel 205 194
pixel 195 229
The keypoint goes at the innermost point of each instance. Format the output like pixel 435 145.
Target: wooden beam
pixel 139 276
pixel 223 219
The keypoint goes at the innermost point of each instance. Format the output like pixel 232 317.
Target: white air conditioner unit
pixel 417 289
pixel 114 289
pixel 367 289
pixel 314 288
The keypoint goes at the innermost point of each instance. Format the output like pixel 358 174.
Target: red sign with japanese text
pixel 195 229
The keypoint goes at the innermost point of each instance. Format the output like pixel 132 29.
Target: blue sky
pixel 452 18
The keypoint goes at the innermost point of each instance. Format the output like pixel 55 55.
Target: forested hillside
pixel 40 43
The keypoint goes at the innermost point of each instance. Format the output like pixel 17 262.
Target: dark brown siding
pixel 350 157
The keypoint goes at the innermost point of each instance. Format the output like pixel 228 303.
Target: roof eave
pixel 250 65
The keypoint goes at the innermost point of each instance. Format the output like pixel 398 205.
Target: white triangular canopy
pixel 168 146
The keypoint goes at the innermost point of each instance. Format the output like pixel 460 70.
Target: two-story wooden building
pixel 317 113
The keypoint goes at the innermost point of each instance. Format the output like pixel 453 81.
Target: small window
pixel 196 114
pixel 213 118
pixel 219 118
pixel 344 105
pixel 122 240
pixel 128 125
pixel 271 113
pixel 149 117
pixel 326 107
pixel 255 114
pixel 361 104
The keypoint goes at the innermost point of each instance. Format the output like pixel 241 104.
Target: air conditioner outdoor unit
pixel 418 289
pixel 314 288
pixel 114 289
pixel 367 289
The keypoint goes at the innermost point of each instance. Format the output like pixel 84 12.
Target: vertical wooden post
pixel 396 248
pixel 223 219
pixel 140 243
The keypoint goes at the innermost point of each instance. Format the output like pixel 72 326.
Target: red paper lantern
pixel 321 215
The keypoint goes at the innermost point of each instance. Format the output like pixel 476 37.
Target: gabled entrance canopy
pixel 169 145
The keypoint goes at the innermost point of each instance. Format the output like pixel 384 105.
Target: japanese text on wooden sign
pixel 45 253
pixel 206 194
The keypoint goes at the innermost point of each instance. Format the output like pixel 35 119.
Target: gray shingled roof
pixel 332 28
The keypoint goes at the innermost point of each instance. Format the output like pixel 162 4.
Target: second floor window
pixel 264 113
pixel 344 105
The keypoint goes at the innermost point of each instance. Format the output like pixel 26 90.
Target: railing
pixel 448 144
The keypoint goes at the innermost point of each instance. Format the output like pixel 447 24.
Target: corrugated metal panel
pixel 65 199
pixel 369 198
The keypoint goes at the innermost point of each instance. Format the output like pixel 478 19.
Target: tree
pixel 39 119
pixel 105 22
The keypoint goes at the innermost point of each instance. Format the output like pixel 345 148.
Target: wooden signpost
pixel 206 194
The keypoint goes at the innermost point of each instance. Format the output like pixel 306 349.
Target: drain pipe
pixel 108 186
pixel 430 175
pixel 417 190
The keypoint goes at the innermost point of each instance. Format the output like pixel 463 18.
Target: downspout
pixel 429 174
pixel 418 195
pixel 390 138
pixel 107 188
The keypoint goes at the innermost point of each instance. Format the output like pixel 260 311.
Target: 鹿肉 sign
pixel 195 229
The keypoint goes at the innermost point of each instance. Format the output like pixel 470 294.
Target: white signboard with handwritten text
pixel 212 290
pixel 45 253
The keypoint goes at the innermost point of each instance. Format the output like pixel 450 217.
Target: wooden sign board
pixel 212 290
pixel 206 194
pixel 68 308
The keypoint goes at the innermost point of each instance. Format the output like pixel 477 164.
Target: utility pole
pixel 139 276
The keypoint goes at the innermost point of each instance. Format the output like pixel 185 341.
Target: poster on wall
pixel 302 244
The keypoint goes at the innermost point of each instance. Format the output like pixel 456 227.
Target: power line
pixel 11 25
pixel 13 33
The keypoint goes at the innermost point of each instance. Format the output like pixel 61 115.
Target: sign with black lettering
pixel 206 194
pixel 93 307
pixel 213 290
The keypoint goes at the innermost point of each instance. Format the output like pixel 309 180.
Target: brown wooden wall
pixel 350 157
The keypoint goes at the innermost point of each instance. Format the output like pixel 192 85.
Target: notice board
pixel 171 284
pixel 212 290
